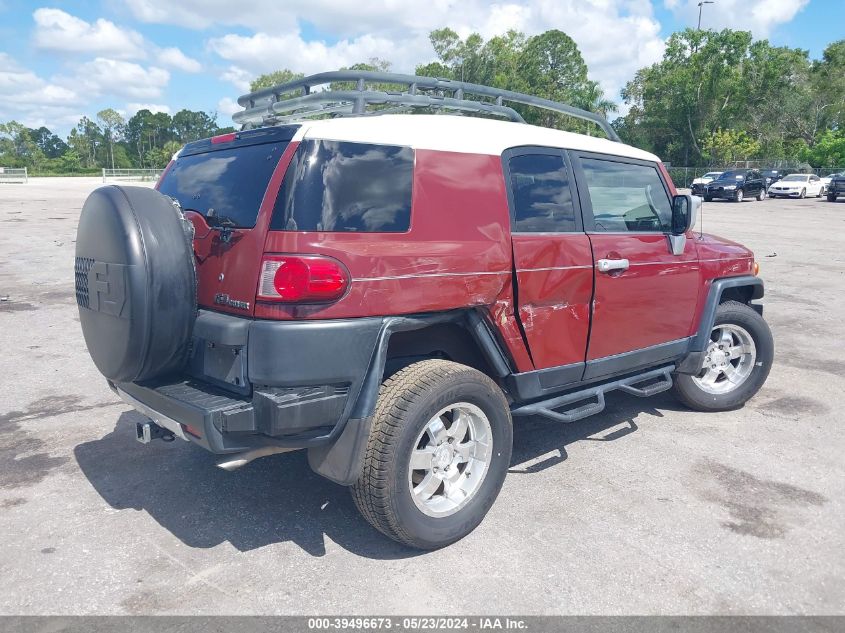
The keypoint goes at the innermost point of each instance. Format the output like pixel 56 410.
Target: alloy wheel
pixel 728 360
pixel 450 459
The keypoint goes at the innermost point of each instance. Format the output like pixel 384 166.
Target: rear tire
pixel 735 364
pixel 761 195
pixel 707 199
pixel 831 197
pixel 455 424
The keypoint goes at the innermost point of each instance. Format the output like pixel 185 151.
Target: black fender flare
pixel 341 460
pixel 692 362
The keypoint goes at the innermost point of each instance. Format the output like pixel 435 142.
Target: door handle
pixel 609 265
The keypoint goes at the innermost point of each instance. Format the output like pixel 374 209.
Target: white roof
pixel 450 133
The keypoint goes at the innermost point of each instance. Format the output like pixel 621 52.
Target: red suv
pixel 388 292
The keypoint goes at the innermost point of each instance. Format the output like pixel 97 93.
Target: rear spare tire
pixel 135 282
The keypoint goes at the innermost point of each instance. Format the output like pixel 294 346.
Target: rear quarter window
pixel 346 187
pixel 230 181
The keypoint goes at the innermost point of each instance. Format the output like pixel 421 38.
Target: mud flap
pixel 342 460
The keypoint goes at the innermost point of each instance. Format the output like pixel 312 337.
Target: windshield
pixel 230 181
pixel 732 175
pixel 795 178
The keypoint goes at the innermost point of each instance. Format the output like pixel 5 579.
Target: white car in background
pixel 697 186
pixel 797 186
pixel 826 180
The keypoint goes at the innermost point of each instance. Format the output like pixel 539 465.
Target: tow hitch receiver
pixel 146 432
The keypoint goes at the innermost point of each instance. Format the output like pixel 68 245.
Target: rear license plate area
pixel 224 365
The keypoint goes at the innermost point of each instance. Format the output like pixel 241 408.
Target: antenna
pixel 701 221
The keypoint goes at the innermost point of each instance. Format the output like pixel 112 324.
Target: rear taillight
pixel 301 279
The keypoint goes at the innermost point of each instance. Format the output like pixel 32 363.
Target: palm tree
pixel 592 98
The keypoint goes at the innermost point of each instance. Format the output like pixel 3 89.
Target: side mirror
pixel 684 213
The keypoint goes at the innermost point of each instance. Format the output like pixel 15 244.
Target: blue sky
pixel 62 59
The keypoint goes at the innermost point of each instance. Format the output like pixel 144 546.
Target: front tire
pixel 738 195
pixel 831 197
pixel 735 364
pixel 437 456
pixel 803 194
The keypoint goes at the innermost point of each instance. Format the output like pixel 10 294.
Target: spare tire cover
pixel 135 283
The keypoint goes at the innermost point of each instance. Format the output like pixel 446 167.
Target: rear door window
pixel 542 201
pixel 346 187
pixel 230 181
pixel 626 196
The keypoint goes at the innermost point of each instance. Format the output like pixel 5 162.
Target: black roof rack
pixel 296 100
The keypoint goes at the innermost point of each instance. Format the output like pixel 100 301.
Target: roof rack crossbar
pixel 269 105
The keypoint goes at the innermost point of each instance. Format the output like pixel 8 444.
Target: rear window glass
pixel 230 181
pixel 542 202
pixel 346 187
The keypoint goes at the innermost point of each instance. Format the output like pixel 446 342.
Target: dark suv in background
pixel 836 187
pixel 736 185
pixel 773 175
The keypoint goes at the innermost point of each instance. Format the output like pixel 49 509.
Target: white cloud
pixel 226 107
pixel 175 58
pixel 59 31
pixel 760 17
pixel 32 100
pixel 239 77
pixel 133 108
pixel 262 52
pixel 616 37
pixel 111 77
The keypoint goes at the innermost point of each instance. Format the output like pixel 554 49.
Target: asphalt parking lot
pixel 648 508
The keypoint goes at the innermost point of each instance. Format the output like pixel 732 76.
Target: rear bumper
pixel 252 384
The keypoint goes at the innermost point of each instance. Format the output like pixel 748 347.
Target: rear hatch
pixel 226 186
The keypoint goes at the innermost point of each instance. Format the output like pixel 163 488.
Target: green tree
pixel 548 65
pixel 696 88
pixel 828 151
pixel 189 125
pixel 17 148
pixel 274 78
pixel 723 147
pixel 112 125
pixel 70 161
pixel 86 139
pixel 147 132
pixel 828 81
pixel 50 144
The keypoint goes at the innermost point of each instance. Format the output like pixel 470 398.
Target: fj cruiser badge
pixel 223 299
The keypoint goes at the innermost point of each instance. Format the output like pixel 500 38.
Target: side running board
pixel 546 408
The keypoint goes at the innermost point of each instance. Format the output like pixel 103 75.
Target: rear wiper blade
pixel 222 222
pixel 212 218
